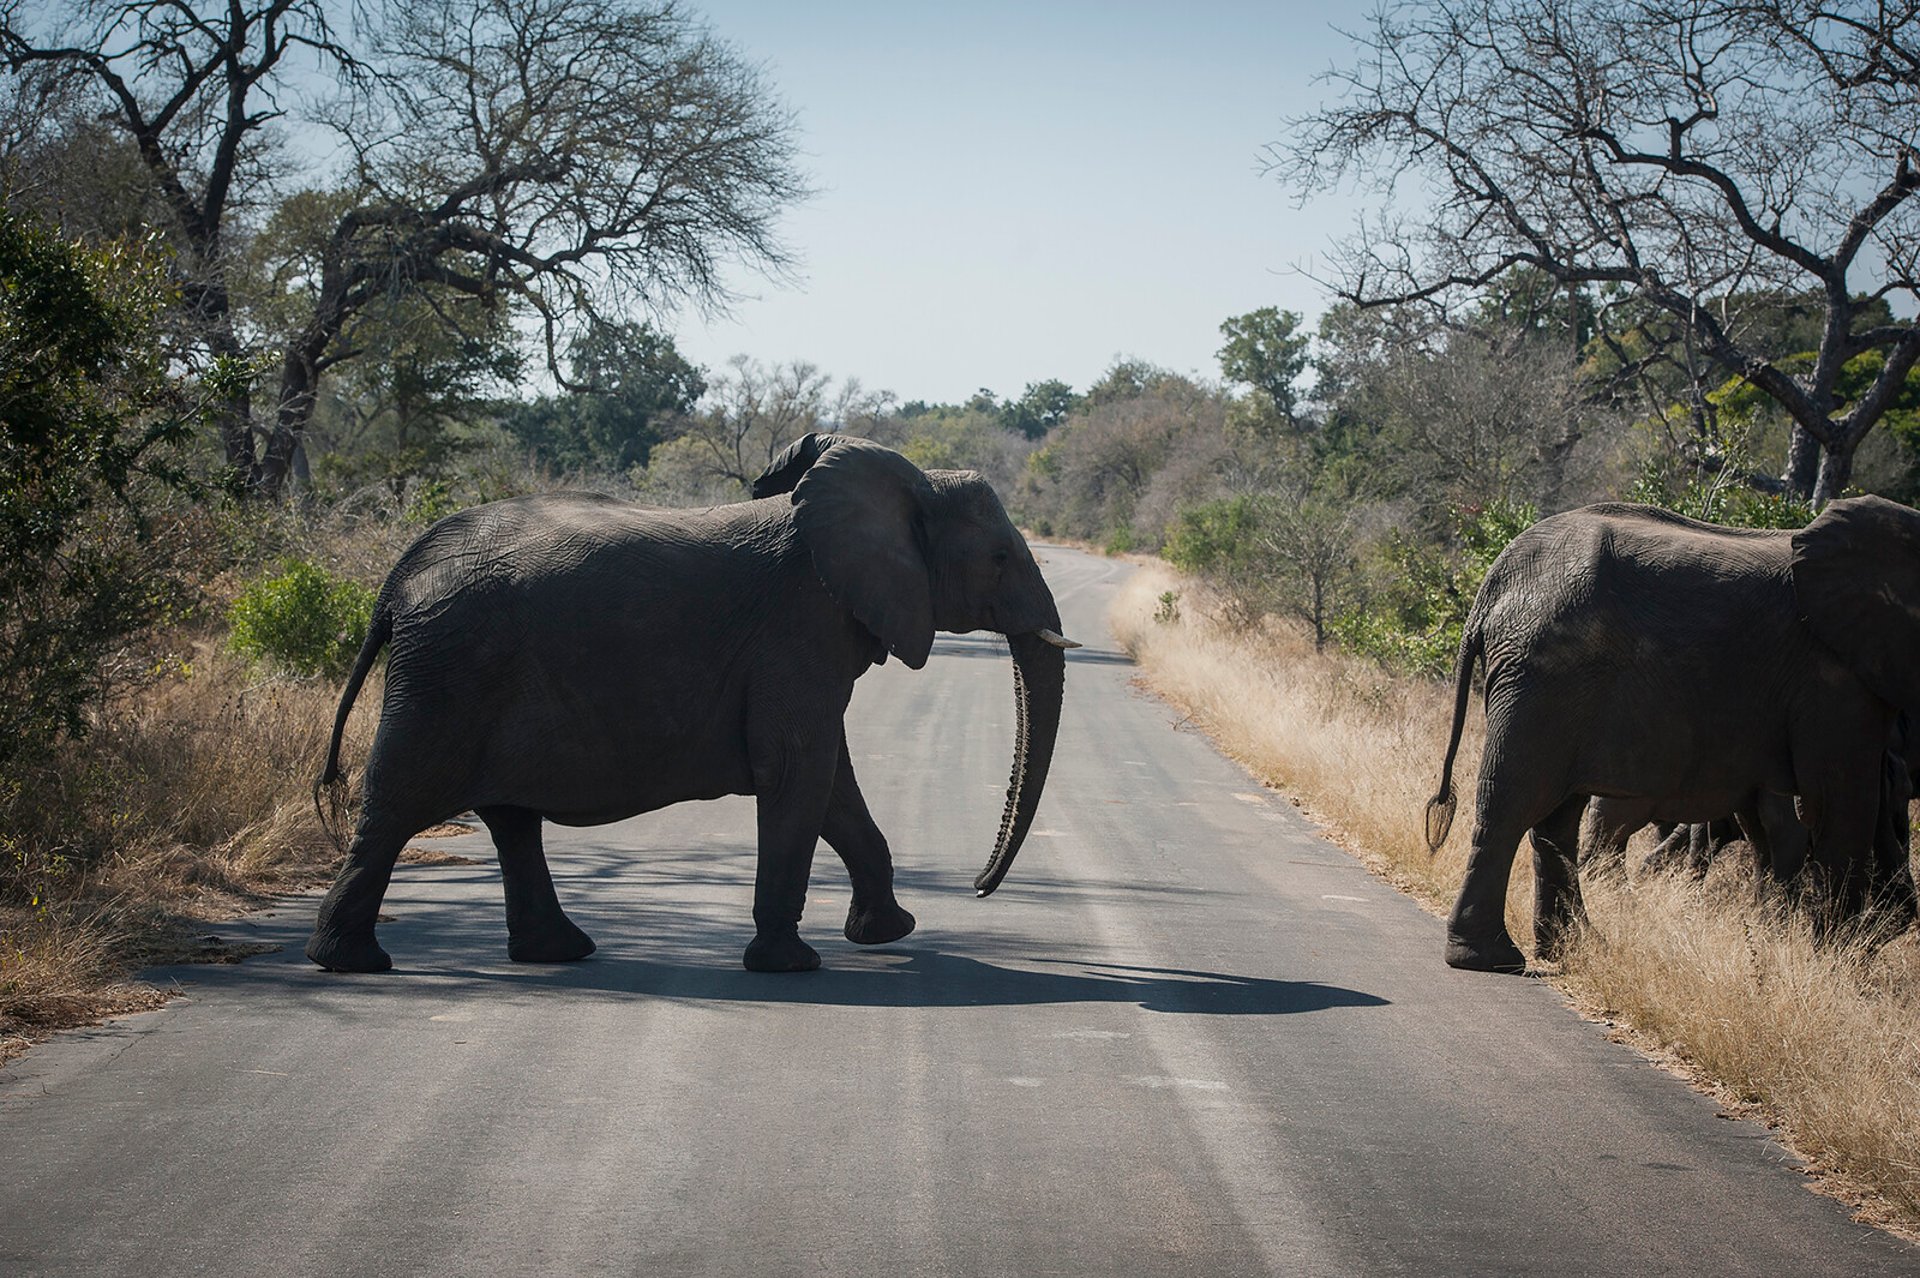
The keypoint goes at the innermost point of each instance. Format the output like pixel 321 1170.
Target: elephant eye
pixel 1000 558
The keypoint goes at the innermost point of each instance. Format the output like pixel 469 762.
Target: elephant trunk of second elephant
pixel 1039 679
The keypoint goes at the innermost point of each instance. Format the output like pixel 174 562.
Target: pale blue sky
pixel 1011 192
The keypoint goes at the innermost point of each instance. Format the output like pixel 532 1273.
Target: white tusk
pixel 1057 640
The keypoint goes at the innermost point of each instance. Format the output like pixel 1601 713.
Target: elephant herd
pixel 576 659
pixel 1666 670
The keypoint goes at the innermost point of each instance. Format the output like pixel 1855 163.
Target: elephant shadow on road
pixel 448 941
pixel 910 977
pixel 899 976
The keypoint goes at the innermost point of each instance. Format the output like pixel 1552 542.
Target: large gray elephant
pixel 1633 653
pixel 579 659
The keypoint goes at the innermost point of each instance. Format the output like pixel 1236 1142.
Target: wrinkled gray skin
pixel 579 659
pixel 1634 654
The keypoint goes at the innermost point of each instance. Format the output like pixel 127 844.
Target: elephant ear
pixel 1856 574
pixel 785 470
pixel 859 508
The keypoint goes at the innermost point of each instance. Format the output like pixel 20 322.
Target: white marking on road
pixel 1335 896
pixel 1025 1082
pixel 452 1016
pixel 1156 1082
pixel 1093 1034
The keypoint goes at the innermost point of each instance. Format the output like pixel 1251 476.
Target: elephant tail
pixel 1441 807
pixel 332 781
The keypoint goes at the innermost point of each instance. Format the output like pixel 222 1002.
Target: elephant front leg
pixel 792 812
pixel 538 930
pixel 874 917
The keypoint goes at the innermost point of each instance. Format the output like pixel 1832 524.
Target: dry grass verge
pixel 188 801
pixel 200 791
pixel 1823 1042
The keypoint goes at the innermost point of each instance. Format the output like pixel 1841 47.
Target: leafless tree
pixel 752 412
pixel 575 158
pixel 1689 153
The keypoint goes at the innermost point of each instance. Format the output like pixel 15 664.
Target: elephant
pixel 1771 825
pixel 1632 653
pixel 579 659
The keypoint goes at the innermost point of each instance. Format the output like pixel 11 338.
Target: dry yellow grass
pixel 1822 1041
pixel 201 786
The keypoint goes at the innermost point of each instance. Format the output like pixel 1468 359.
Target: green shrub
pixel 1213 538
pixel 91 424
pixel 1718 499
pixel 1420 593
pixel 305 619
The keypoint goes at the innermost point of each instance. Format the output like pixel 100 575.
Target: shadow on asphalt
pixel 902 976
pixel 895 976
pixel 657 942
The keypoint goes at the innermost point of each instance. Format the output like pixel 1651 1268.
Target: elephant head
pixel 910 552
pixel 1856 575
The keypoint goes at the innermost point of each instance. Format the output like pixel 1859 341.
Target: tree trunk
pixel 1803 463
pixel 298 383
pixel 1836 471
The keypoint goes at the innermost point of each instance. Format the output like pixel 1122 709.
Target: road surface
pixel 1187 1036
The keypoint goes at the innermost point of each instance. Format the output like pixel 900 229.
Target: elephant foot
pixel 878 925
pixel 783 952
pixel 1496 954
pixel 561 943
pixel 338 952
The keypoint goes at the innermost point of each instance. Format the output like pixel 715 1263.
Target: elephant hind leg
pixel 538 930
pixel 1557 906
pixel 343 939
pixel 1477 936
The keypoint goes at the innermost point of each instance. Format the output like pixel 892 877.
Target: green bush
pixel 304 619
pixel 1212 538
pixel 1421 593
pixel 1718 499
pixel 91 427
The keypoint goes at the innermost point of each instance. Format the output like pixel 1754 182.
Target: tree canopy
pixel 568 160
pixel 1686 157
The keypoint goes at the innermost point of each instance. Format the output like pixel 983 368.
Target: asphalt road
pixel 1186 1037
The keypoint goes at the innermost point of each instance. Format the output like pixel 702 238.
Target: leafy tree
pixel 571 158
pixel 1686 154
pixel 1418 593
pixel 1266 350
pixel 1444 416
pixel 89 426
pixel 1147 443
pixel 1040 408
pixel 635 386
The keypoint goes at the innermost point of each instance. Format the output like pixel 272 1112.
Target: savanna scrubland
pixel 233 390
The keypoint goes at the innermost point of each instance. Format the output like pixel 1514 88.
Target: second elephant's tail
pixel 331 782
pixel 1441 807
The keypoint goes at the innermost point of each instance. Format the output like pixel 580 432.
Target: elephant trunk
pixel 1039 681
